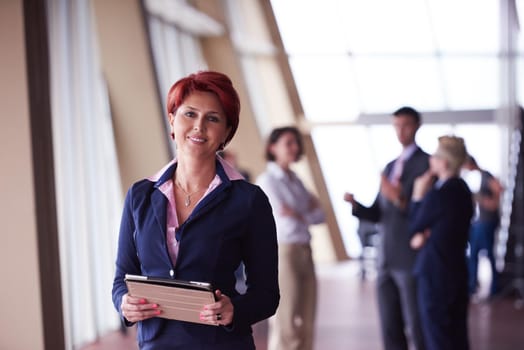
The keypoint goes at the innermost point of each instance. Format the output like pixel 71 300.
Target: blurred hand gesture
pixel 422 185
pixel 419 239
pixel 348 197
pixel 393 192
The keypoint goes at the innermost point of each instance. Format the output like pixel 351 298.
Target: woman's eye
pixel 213 118
pixel 189 114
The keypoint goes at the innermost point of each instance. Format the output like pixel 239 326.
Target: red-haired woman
pixel 197 220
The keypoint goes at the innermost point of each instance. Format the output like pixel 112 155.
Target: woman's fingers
pixel 138 309
pixel 140 315
pixel 220 312
pixel 417 241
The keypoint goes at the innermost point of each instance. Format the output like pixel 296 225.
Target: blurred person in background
pixel 294 208
pixel 487 191
pixel 396 285
pixel 440 217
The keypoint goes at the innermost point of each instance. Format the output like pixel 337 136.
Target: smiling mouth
pixel 197 139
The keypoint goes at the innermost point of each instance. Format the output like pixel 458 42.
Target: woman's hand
pixel 419 239
pixel 138 309
pixel 422 185
pixel 220 312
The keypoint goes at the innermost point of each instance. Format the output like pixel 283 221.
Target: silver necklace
pixel 187 201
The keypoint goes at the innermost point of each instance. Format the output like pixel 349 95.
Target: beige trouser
pixel 292 326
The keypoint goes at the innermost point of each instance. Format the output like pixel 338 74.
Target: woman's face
pixel 286 149
pixel 437 164
pixel 199 124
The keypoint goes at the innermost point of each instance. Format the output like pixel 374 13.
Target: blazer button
pixel 171 273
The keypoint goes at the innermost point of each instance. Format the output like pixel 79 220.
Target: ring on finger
pixel 219 317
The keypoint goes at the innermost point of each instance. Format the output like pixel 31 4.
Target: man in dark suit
pixel 396 286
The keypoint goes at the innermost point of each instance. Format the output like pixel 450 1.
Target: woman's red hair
pixel 208 81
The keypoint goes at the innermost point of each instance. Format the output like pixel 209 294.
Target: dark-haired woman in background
pixel 294 209
pixel 197 220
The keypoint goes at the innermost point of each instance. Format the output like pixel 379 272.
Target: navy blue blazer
pixel 440 267
pixel 447 211
pixel 232 224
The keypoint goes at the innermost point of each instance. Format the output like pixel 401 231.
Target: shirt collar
pixel 439 183
pixel 408 151
pixel 166 173
pixel 231 172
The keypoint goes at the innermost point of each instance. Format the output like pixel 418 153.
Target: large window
pixel 356 58
pixel 379 54
pixel 88 186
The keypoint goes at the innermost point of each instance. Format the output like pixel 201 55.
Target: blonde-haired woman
pixel 440 220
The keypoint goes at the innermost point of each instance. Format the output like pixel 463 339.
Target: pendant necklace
pixel 187 201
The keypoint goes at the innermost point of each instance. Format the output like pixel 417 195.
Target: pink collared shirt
pixel 166 188
pixel 398 165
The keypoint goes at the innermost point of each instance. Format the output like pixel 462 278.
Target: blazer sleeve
pixel 423 214
pixel 127 259
pixel 372 213
pixel 260 254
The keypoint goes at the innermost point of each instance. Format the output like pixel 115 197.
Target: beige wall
pixel 127 65
pixel 20 316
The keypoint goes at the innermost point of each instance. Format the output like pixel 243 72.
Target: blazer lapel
pixel 216 196
pixel 410 168
pixel 159 203
pixel 159 200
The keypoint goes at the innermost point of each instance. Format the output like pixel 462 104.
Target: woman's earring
pixel 222 146
pixel 172 135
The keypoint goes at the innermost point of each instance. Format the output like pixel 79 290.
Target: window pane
pixel 354 172
pixel 471 83
pixel 309 26
pixel 520 19
pixel 388 82
pixel 385 26
pixel 483 141
pixel 428 134
pixel 466 26
pixel 400 50
pixel 326 86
